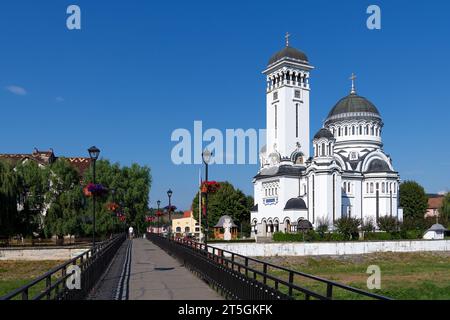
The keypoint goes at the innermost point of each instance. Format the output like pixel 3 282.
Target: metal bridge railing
pixel 52 285
pixel 244 278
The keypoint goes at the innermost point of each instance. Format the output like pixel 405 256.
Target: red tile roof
pixel 435 202
pixel 46 158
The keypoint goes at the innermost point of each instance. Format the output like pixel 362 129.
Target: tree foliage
pixel 227 201
pixel 414 202
pixel 8 199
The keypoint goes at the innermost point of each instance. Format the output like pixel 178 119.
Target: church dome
pixel 295 204
pixel 351 107
pixel 324 133
pixel 288 53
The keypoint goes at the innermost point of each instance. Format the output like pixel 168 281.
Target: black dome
pixel 378 165
pixel 324 133
pixel 290 54
pixel 295 204
pixel 353 106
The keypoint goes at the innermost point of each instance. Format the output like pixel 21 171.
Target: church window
pixel 276 122
pixel 367 187
pixel 339 132
pixel 275 95
pixel 323 149
pixel 353 130
pixel 329 149
pixel 297 94
pixel 345 186
pixel 371 131
pixel 349 187
pixel 377 187
pixel 266 192
pixel 346 132
pixel 360 130
pixel 371 187
pixel 383 190
pixel 296 120
pixel 367 130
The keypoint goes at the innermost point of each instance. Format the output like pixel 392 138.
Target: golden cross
pixel 353 78
pixel 287 38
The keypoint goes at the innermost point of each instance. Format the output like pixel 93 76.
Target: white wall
pixel 332 248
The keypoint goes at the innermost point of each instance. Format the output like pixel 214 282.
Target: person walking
pixel 131 232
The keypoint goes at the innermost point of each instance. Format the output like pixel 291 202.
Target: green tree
pixel 444 211
pixel 65 198
pixel 227 200
pixel 9 187
pixel 131 187
pixel 414 202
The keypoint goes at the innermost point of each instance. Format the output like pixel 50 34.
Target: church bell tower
pixel 287 97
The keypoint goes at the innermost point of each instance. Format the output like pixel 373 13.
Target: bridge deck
pixel 142 271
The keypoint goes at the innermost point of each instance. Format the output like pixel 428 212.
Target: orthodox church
pixel 348 174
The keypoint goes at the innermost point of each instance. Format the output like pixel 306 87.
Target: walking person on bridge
pixel 131 232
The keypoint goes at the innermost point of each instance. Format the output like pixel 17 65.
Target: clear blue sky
pixel 140 69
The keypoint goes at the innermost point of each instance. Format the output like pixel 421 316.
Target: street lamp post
pixel 169 194
pixel 94 152
pixel 206 155
pixel 158 214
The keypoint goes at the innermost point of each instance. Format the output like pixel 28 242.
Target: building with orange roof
pixel 186 226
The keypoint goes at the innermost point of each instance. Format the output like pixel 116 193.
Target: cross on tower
pixel 287 38
pixel 353 78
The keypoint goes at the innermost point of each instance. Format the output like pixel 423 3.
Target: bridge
pixel 158 268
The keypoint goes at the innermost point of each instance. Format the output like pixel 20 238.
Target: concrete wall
pixel 37 254
pixel 332 248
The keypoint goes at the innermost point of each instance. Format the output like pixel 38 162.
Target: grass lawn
pixel 407 276
pixel 14 274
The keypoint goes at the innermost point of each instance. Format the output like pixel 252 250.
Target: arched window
pixel 367 187
pixel 383 190
pixel 371 187
pixel 360 129
pixel 367 130
pixel 323 149
pixel 353 130
pixel 349 187
pixel 329 149
pixel 316 151
pixel 346 132
pixel 345 186
pixel 377 186
pixel 371 131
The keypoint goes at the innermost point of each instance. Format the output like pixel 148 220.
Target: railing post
pixel 291 281
pixel 246 266
pixel 48 284
pixel 265 272
pixel 329 291
pixel 25 294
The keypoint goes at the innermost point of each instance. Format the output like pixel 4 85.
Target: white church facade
pixel 348 174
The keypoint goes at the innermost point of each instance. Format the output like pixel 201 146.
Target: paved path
pixel 143 271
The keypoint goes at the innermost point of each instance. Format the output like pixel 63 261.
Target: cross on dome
pixel 353 78
pixel 287 38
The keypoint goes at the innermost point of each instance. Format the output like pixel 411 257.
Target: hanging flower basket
pixel 94 189
pixel 210 187
pixel 112 206
pixel 159 213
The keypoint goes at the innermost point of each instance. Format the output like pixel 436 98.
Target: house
pixel 435 202
pixel 186 225
pixel 45 158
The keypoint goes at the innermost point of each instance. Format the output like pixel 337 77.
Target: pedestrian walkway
pixel 143 271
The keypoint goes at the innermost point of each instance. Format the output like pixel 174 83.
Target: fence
pixel 52 285
pixel 244 278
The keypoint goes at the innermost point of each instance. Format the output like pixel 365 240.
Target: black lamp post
pixel 169 194
pixel 158 213
pixel 206 155
pixel 94 152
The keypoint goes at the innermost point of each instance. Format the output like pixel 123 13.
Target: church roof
pixel 353 106
pixel 295 204
pixel 437 227
pixel 324 133
pixel 288 53
pixel 283 170
pixel 378 165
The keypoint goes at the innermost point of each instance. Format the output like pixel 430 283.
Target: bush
pixel 322 226
pixel 348 227
pixel 380 236
pixel 287 237
pixel 388 224
pixel 368 225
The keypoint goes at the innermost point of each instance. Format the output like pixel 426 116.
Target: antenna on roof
pixel 287 38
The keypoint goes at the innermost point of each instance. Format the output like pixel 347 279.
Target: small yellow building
pixel 186 226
